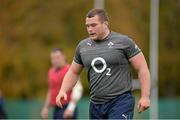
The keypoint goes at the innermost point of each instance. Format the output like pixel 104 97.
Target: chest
pixel 55 78
pixel 109 54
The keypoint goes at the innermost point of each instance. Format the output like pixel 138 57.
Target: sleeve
pixel 77 56
pixel 131 49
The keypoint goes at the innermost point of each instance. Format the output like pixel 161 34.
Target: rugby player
pixel 107 56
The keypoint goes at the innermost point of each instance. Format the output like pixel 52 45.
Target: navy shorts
pixel 121 107
pixel 58 112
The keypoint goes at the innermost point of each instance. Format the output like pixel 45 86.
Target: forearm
pixel 69 81
pixel 139 63
pixel 47 101
pixel 144 77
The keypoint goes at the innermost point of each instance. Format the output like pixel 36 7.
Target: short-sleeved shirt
pixel 107 63
pixel 55 79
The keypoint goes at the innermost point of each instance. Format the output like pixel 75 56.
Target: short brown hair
pixel 57 50
pixel 99 12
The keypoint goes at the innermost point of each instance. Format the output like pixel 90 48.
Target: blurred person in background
pixel 107 56
pixel 3 114
pixel 55 77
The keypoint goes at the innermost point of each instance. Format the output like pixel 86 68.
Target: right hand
pixel 44 113
pixel 61 95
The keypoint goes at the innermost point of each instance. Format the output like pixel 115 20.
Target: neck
pixel 61 66
pixel 106 34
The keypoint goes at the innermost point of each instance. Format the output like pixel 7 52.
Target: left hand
pixel 68 114
pixel 143 104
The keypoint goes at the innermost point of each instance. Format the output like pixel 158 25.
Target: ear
pixel 106 23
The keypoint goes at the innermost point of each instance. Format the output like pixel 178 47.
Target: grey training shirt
pixel 107 64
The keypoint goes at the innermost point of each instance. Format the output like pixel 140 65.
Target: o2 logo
pixel 103 68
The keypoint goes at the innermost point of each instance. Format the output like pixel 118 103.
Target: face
pixel 57 59
pixel 96 28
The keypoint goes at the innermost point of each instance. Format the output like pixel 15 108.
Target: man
pixel 107 56
pixel 55 78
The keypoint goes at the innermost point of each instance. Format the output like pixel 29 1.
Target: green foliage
pixel 169 60
pixel 29 29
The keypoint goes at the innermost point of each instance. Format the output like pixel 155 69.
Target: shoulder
pixel 67 66
pixel 50 71
pixel 118 37
pixel 65 69
pixel 84 42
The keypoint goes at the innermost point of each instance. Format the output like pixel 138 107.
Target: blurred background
pixel 29 29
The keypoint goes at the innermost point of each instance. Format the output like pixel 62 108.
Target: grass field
pixel 168 108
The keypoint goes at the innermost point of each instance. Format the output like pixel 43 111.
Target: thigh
pixel 58 112
pixel 94 111
pixel 122 108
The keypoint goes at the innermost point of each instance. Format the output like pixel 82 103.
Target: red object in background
pixel 55 79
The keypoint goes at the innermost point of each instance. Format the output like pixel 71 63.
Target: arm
pixel 45 109
pixel 140 65
pixel 75 97
pixel 69 81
